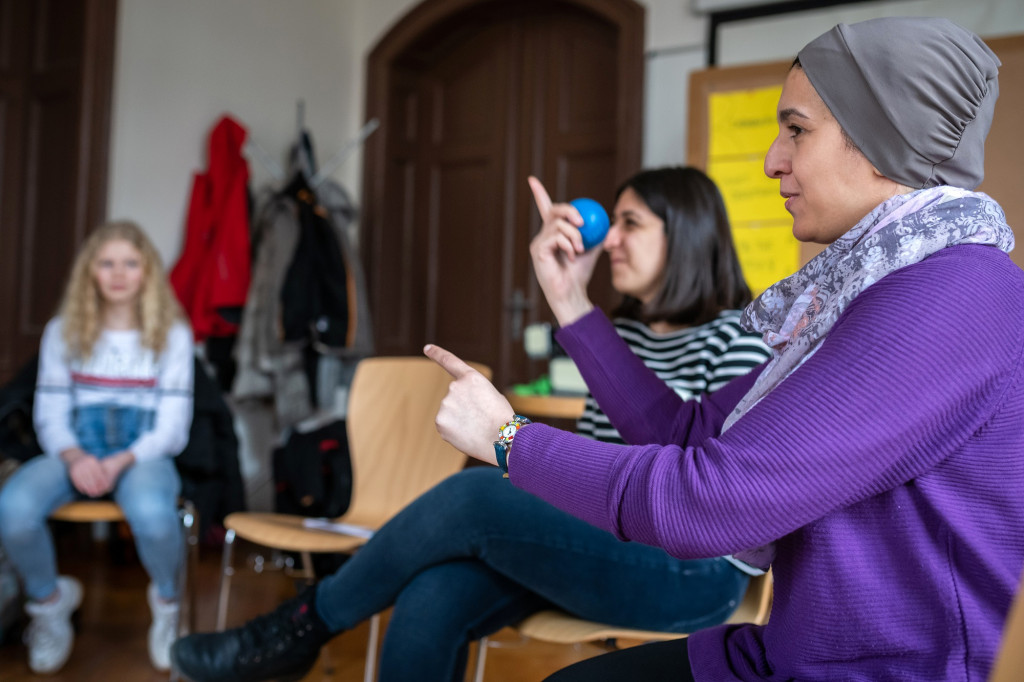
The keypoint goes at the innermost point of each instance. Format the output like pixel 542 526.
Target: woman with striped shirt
pixel 476 554
pixel 674 262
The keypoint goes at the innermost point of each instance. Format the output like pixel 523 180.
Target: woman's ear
pixel 897 187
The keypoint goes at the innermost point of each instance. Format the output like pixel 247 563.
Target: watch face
pixel 509 430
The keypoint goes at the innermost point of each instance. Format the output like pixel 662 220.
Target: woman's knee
pixel 21 511
pixel 152 519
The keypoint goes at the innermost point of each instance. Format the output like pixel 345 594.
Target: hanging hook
pixel 260 154
pixel 334 163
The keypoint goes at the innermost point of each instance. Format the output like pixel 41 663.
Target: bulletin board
pixel 732 123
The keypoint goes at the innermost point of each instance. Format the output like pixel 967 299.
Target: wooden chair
pixel 89 511
pixel 397 455
pixel 1010 662
pixel 558 627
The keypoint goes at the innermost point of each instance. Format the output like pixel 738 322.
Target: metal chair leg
pixel 307 568
pixel 187 573
pixel 189 568
pixel 481 659
pixel 370 671
pixel 193 568
pixel 226 571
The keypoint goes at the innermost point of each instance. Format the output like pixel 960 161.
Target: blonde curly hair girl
pixel 157 308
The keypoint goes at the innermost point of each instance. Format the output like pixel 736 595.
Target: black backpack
pixel 313 472
pixel 17 432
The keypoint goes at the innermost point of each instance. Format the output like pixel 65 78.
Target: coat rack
pixel 334 163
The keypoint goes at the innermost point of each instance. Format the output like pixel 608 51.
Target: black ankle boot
pixel 281 645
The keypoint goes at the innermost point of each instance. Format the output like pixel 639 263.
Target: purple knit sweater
pixel 889 470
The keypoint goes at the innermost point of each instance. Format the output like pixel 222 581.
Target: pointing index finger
pixel 540 195
pixel 450 362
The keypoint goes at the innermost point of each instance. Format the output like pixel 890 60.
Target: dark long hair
pixel 702 273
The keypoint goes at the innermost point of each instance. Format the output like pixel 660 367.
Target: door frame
pixel 88 165
pixel 627 16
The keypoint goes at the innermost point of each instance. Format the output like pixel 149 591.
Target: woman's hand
pixel 115 465
pixel 563 268
pixel 86 473
pixel 473 410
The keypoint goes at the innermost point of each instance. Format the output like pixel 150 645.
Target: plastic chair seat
pixel 85 511
pixel 287 533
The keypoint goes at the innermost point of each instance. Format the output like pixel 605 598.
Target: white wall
pixel 181 64
pixel 780 37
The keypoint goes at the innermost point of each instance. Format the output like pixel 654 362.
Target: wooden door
pixel 56 65
pixel 475 105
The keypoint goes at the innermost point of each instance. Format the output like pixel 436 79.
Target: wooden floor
pixel 114 618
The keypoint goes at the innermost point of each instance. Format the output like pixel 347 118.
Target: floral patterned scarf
pixel 796 314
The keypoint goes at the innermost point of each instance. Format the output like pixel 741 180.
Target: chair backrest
pixel 1010 663
pixel 396 451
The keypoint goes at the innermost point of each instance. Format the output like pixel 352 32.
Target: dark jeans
pixel 475 554
pixel 658 662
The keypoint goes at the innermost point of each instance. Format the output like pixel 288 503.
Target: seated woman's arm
pixel 51 412
pixel 900 384
pixel 642 407
pixel 170 431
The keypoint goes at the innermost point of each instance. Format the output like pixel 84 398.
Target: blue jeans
pixel 147 493
pixel 475 554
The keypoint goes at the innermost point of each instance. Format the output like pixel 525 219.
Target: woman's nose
pixel 613 238
pixel 776 161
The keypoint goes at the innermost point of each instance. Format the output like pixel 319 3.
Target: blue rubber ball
pixel 595 221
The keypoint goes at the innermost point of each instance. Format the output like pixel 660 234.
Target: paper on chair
pixel 335 527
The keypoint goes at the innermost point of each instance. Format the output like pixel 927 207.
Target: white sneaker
pixel 49 635
pixel 163 631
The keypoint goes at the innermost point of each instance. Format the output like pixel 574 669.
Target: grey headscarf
pixel 916 95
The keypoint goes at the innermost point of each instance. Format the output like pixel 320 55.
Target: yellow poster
pixel 742 126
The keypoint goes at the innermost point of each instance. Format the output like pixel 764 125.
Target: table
pixel 550 406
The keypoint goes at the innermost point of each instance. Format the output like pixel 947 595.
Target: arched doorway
pixel 472 98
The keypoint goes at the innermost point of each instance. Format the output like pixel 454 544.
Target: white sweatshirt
pixel 120 372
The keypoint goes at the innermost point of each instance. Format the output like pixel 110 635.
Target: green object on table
pixel 539 386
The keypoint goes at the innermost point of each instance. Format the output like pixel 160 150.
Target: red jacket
pixel 213 270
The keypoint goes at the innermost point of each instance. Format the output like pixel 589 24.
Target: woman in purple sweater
pixel 876 461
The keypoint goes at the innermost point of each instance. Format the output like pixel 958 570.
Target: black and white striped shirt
pixel 692 361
